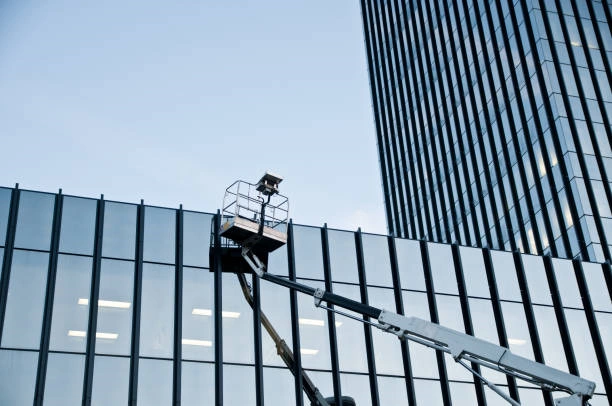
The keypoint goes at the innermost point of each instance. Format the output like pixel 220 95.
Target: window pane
pixel 376 258
pixel 237 323
pixel 423 359
pixel 115 309
pixel 275 305
pixel 64 385
pixel 159 235
pixel 428 392
pixel 583 346
pixel 442 268
pixel 17 377
pixel 119 235
pixel 196 238
pixel 350 335
pixel 111 381
pixel 154 382
pixel 519 339
pixel 323 381
pixel 505 276
pixel 157 311
pixel 314 339
pixel 5 205
pixel 277 262
pixel 566 280
pixel 410 264
pixel 472 263
pixel 71 303
pixel 598 290
pixel 357 387
pixel 279 386
pixel 387 349
pixel 308 252
pixel 34 220
pixel 550 337
pixel 451 316
pixel 197 383
pixel 342 256
pixel 242 377
pixel 604 323
pixel 26 300
pixel 392 391
pixel 78 225
pixel 536 279
pixel 1 261
pixel 483 323
pixel 463 393
pixel 198 315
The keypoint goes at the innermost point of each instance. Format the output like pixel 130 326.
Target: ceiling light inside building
pixel 83 334
pixel 107 303
pixel 199 343
pixel 307 351
pixel 516 341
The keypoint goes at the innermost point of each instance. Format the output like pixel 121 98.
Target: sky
pixel 171 102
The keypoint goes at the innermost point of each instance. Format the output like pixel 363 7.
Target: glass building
pixel 493 122
pixel 108 303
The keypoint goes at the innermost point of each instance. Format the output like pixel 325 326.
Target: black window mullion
pixel 9 243
pixel 295 329
pixel 600 43
pixel 218 299
pixel 178 308
pixel 259 379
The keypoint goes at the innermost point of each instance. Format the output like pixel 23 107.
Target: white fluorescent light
pixel 338 323
pixel 201 312
pixel 311 322
pixel 200 343
pixel 516 341
pixel 230 315
pixel 307 351
pixel 83 334
pixel 107 303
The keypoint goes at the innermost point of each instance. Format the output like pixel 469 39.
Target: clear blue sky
pixel 172 101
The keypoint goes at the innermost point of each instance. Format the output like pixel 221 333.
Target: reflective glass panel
pixel 583 346
pixel 314 336
pixel 115 307
pixel 451 316
pixel 159 235
pixel 111 381
pixel 277 262
pixel 308 252
pixel 505 276
pixel 275 305
pixel 1 261
pixel 350 335
pixel 463 393
pixel 423 359
pixel 78 225
pixel 34 221
pixel 197 383
pixel 537 283
pixel 442 268
pixel 26 300
pixel 376 258
pixel 387 349
pixel 596 283
pixel 483 323
pixel 198 314
pixel 154 382
pixel 428 392
pixel 5 206
pixel 243 377
pixel 548 330
pixel 493 399
pixel 392 391
pixel 410 264
pixel 157 311
pixel 474 272
pixel 533 396
pixel 64 384
pixel 342 256
pixel 71 303
pixel 604 323
pixel 357 387
pixel 279 386
pixel 519 339
pixel 196 238
pixel 323 381
pixel 119 234
pixel 237 323
pixel 17 377
pixel 567 284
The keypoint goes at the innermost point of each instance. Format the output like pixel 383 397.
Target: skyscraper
pixel 493 121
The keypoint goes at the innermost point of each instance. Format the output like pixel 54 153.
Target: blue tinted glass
pixel 536 279
pixel 519 339
pixel 451 316
pixel 472 263
pixel 154 377
pixel 582 344
pixel 376 258
pixel 598 290
pixel 410 264
pixel 64 384
pixel 119 235
pixel 1 261
pixel 349 334
pixel 110 381
pixel 314 336
pixel 198 314
pixel 197 383
pixel 442 268
pixel 34 220
pixel 308 252
pixel 548 330
pixel 567 284
pixel 5 205
pixel 342 256
pixel 157 311
pixel 237 323
pixel 505 276
pixel 387 351
pixel 78 225
pixel 17 377
pixel 196 238
pixel 26 300
pixel 275 305
pixel 159 235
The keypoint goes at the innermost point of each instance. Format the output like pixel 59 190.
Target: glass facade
pixel 89 314
pixel 493 122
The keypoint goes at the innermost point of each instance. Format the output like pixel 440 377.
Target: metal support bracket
pixel 255 263
pixel 318 297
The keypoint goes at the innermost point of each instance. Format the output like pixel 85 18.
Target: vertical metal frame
pixel 295 329
pixel 259 378
pixel 135 348
pixel 45 336
pixel 433 311
pixel 94 295
pixel 178 308
pixel 218 298
pixel 9 244
pixel 367 329
pixel 399 308
pixel 331 319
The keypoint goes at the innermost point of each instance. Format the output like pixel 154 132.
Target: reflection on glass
pixel 451 315
pixel 350 334
pixel 530 396
pixel 71 303
pixel 242 377
pixel 119 234
pixel 583 346
pixel 428 392
pixel 387 349
pixel 493 399
pixel 314 337
pixel 505 276
pixel 157 311
pixel 358 387
pixel 472 263
pixel 410 264
pixel 34 221
pixel 392 391
pixel 17 377
pixel 277 262
pixel 78 225
pixel 64 384
pixel 5 205
pixel 278 386
pixel 198 314
pixel 442 268
pixel 1 261
pixel 536 279
pixel 604 323
pixel 159 235
pixel 422 359
pixel 308 252
pixel 517 331
pixel 550 337
pixel 323 381
pixel 110 381
pixel 154 382
pixel 197 383
pixel 483 323
pixel 567 284
pixel 275 305
pixel 463 393
pixel 598 290
pixel 237 323
pixel 342 256
pixel 26 300
pixel 196 238
pixel 115 316
pixel 376 258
